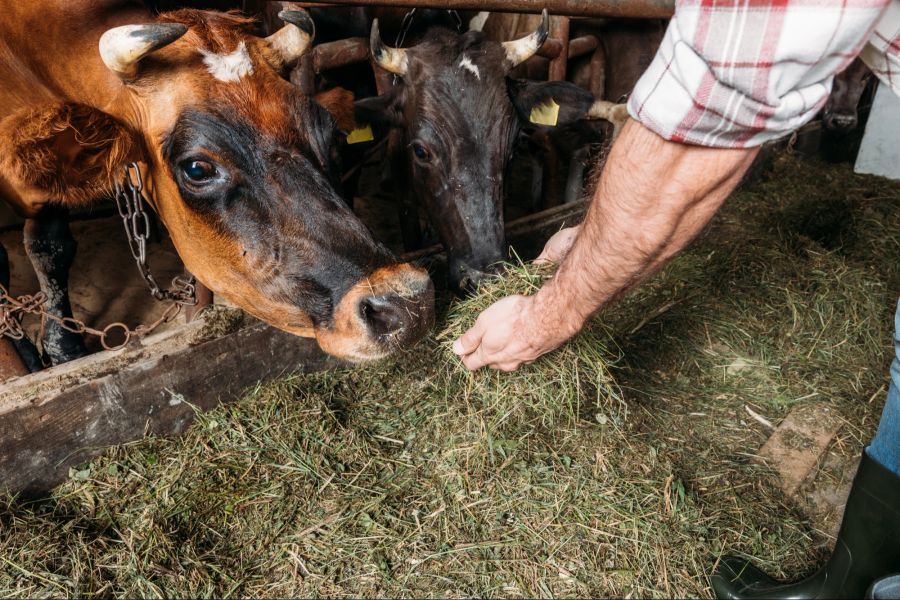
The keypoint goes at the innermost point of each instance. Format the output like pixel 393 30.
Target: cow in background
pixel 239 163
pixel 456 115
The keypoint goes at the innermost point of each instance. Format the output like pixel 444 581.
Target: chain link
pixel 131 204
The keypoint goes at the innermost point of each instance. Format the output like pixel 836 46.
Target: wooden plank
pixel 61 417
pixel 797 444
pixel 42 438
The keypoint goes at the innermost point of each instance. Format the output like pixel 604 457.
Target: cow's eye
pixel 198 171
pixel 421 151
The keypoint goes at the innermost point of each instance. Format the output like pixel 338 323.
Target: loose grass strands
pixel 576 379
pixel 413 477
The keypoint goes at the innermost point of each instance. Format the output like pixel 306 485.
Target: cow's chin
pixel 382 313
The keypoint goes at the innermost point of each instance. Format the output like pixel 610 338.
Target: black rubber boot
pixel 867 548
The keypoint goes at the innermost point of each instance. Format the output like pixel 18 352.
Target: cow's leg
pixel 17 357
pixel 51 248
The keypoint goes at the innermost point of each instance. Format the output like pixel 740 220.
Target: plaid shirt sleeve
pixel 738 73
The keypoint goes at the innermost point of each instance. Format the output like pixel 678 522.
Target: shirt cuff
pixel 682 99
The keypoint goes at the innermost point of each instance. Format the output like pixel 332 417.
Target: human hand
pixel 558 246
pixel 506 335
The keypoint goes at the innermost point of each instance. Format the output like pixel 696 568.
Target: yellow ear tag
pixel 360 135
pixel 545 114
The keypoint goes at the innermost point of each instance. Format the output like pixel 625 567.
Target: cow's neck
pixel 49 52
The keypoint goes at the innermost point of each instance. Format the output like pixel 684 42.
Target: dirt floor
pixel 620 466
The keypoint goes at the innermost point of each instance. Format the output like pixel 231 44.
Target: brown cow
pixel 239 163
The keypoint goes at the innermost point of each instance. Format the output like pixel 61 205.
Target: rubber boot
pixel 886 588
pixel 867 548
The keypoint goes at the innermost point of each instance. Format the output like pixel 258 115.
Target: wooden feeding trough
pixel 54 419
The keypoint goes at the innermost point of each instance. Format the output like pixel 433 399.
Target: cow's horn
pixel 122 48
pixel 389 59
pixel 617 114
pixel 294 39
pixel 518 51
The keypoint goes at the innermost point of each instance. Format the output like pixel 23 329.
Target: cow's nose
pixel 392 317
pixel 840 121
pixel 469 278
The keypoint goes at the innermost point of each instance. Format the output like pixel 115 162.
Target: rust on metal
pixel 559 30
pixel 332 55
pixel 550 49
pixel 582 45
pixel 204 299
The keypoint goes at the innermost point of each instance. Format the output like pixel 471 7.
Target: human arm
pixel 713 84
pixel 653 198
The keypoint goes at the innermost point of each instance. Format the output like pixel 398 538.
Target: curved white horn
pixel 389 59
pixel 617 114
pixel 518 51
pixel 121 48
pixel 294 39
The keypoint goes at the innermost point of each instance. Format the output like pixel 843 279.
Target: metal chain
pixel 14 308
pixel 131 203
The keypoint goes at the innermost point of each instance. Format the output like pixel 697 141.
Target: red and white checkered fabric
pixel 738 73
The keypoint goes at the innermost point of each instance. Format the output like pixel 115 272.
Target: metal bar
pixel 598 73
pixel 559 30
pixel 332 55
pixel 647 9
pixel 582 45
pixel 550 48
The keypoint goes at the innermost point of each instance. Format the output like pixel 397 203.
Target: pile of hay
pixel 413 477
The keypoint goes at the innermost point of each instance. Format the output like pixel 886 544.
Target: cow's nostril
pixel 385 315
pixel 469 281
pixel 839 121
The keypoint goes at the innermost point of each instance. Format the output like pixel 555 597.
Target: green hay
pixel 415 478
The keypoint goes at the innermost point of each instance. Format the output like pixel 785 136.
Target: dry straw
pixel 415 478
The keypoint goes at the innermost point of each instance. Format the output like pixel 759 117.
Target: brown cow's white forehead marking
pixel 229 67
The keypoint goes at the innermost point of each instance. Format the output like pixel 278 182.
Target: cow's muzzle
pixel 840 122
pixel 386 311
pixel 465 279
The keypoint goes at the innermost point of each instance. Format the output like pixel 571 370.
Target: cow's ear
pixel 385 110
pixel 338 102
pixel 549 104
pixel 69 153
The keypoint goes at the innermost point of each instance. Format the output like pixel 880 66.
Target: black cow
pixel 456 115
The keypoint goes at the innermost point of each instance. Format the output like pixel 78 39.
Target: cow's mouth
pixel 382 313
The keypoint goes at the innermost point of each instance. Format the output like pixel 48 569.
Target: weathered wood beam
pixel 42 436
